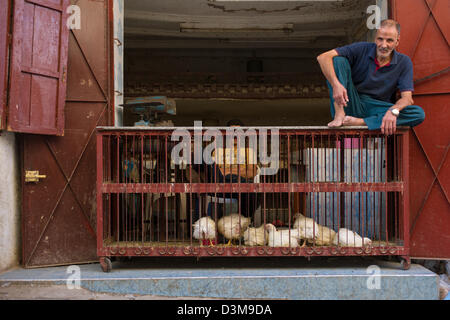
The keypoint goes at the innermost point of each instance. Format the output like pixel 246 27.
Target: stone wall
pixel 9 202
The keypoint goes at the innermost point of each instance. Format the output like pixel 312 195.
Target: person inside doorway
pixel 371 83
pixel 238 165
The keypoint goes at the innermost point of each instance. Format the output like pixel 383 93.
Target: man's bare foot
pixel 339 116
pixel 352 121
pixel 338 120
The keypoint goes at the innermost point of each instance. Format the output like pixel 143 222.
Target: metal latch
pixel 33 176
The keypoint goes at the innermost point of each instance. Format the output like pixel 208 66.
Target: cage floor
pixel 196 243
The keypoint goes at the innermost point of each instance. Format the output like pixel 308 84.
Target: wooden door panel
pixel 38 67
pixel 425 38
pixel 59 212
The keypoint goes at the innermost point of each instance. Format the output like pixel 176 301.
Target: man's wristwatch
pixel 395 111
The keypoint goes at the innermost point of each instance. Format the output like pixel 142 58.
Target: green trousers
pixel 362 106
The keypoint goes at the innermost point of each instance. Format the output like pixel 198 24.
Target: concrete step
pixel 293 278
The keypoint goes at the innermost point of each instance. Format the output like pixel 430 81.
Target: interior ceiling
pixel 233 23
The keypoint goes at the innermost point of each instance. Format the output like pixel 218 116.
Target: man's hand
pixel 340 94
pixel 326 64
pixel 389 123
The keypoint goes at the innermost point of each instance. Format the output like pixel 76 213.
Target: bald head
pixel 389 23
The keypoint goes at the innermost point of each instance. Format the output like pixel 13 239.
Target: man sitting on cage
pixel 364 80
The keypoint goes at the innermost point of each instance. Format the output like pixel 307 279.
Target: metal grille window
pixel 350 187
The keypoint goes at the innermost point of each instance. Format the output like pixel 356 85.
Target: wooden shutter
pixel 38 67
pixel 4 24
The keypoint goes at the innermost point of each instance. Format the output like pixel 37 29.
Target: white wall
pixel 9 202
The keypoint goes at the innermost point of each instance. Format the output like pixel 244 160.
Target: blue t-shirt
pixel 381 84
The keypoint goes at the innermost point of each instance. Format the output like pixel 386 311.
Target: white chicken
pixel 325 237
pixel 256 236
pixel 282 238
pixel 233 226
pixel 307 227
pixel 204 229
pixel 349 238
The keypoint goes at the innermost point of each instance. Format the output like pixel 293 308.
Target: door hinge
pixel 33 176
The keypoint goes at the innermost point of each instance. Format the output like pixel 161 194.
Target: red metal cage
pixel 350 185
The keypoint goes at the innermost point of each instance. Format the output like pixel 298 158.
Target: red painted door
pixel 425 37
pixel 59 211
pixel 4 30
pixel 38 67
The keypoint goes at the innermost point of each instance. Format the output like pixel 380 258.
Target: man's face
pixel 387 40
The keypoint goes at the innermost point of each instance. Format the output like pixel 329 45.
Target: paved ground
pixel 259 279
pixel 60 292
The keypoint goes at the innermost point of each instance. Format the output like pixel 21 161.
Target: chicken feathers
pixel 233 226
pixel 325 237
pixel 256 236
pixel 349 238
pixel 204 228
pixel 282 238
pixel 307 227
